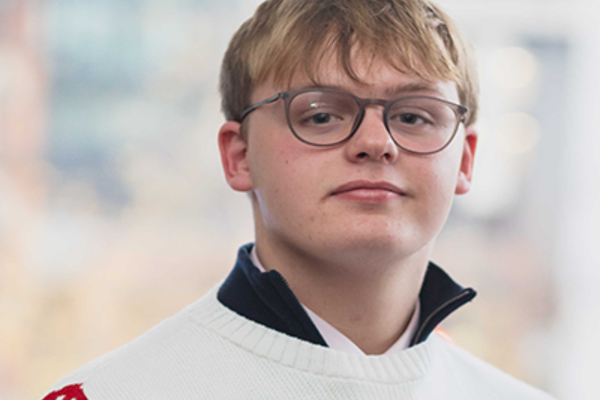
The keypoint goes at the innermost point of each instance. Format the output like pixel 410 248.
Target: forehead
pixel 373 78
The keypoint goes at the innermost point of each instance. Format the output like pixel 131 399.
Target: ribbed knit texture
pixel 209 352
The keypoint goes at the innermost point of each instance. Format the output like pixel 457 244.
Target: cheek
pixel 283 179
pixel 436 179
pixel 275 169
pixel 446 166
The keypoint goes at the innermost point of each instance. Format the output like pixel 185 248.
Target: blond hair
pixel 285 37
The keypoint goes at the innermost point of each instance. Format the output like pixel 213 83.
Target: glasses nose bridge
pixel 362 104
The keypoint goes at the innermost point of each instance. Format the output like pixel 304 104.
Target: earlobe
pixel 233 149
pixel 465 174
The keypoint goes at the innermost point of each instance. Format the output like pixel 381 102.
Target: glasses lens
pixel 421 124
pixel 322 117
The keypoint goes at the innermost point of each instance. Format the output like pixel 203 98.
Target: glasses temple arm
pixel 260 103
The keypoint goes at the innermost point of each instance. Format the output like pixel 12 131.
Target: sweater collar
pixel 267 299
pixel 336 339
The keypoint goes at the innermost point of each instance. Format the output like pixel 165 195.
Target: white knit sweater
pixel 207 351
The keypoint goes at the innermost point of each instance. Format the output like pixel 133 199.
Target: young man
pixel 350 125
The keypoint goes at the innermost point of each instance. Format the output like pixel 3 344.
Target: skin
pixel 356 262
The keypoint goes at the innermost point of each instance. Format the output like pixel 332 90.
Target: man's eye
pixel 321 119
pixel 410 119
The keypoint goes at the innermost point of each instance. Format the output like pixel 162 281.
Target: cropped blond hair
pixel 286 37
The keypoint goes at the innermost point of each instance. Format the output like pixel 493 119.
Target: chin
pixel 373 245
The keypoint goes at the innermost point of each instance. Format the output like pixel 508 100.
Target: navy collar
pixel 267 299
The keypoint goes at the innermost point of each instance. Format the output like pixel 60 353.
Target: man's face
pixel 295 186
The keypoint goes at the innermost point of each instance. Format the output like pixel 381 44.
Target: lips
pixel 367 185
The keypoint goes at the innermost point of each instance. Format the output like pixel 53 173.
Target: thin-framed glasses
pixel 327 117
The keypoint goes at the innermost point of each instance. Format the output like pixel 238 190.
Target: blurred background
pixel 114 213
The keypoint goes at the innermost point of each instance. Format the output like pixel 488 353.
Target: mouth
pixel 369 190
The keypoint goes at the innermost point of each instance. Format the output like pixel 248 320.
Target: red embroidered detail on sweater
pixel 71 392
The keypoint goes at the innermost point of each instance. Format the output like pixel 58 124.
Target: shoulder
pixel 168 348
pixel 487 381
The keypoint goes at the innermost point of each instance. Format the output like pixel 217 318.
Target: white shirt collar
pixel 336 339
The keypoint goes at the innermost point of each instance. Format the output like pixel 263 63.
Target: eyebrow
pixel 412 87
pixel 398 89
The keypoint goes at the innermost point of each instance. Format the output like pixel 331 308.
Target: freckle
pixel 355 318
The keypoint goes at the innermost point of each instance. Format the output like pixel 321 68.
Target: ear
pixel 234 149
pixel 465 174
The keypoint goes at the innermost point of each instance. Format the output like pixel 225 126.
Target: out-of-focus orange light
pixel 444 335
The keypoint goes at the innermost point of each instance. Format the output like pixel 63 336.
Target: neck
pixel 368 297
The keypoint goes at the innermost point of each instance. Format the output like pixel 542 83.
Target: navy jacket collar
pixel 267 299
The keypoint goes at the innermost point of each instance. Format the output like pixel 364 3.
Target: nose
pixel 372 141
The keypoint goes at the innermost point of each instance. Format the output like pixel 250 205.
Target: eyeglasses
pixel 327 117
